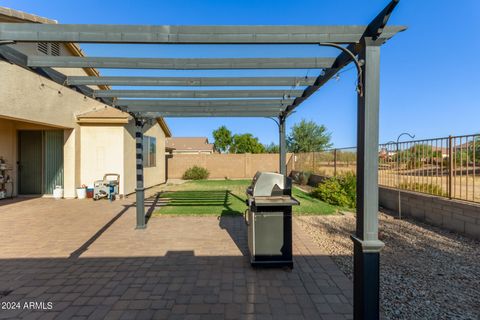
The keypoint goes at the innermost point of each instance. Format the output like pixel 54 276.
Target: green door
pixel 53 160
pixel 30 162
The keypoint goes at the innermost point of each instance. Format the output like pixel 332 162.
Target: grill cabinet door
pixel 268 233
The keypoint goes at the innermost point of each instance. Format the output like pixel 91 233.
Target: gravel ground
pixel 426 272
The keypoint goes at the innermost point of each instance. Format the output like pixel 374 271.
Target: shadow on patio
pixel 173 286
pixel 177 268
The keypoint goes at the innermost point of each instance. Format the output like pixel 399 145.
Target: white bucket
pixel 58 192
pixel 81 193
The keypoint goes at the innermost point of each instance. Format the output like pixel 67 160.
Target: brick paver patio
pixel 87 259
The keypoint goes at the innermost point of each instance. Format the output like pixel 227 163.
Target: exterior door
pixel 53 160
pixel 30 162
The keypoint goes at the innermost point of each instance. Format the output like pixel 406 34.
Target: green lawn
pixel 225 197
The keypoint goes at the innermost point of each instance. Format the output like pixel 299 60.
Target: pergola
pixel 357 44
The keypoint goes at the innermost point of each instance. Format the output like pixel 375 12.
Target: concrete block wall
pixel 236 166
pixel 458 216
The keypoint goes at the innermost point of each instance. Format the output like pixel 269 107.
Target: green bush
pixel 196 173
pixel 339 191
pixel 301 177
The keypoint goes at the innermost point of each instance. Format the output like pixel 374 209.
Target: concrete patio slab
pixel 80 259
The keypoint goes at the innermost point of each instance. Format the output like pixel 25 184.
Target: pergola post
pixel 367 247
pixel 139 190
pixel 282 145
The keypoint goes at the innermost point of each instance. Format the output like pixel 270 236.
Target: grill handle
pixel 245 217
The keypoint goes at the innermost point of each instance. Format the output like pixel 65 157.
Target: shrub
pixel 196 173
pixel 339 191
pixel 301 177
pixel 423 187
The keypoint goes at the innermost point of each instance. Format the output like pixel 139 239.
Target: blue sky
pixel 430 74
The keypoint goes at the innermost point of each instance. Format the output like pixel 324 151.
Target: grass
pixel 225 197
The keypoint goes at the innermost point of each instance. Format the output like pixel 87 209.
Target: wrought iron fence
pixel 448 167
pixel 327 163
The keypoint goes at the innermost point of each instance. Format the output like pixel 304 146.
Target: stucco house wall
pixel 28 100
pixel 9 145
pixel 102 154
pixel 152 175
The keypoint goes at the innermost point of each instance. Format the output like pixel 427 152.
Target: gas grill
pixel 269 220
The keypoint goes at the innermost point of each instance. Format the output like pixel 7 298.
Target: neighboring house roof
pixel 16 16
pixel 189 144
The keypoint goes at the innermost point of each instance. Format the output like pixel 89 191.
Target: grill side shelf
pixel 280 201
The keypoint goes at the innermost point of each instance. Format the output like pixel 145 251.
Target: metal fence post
pixel 335 162
pixel 313 161
pixel 450 166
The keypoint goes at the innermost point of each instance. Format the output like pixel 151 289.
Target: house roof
pixel 11 15
pixel 189 144
pixel 16 16
pixel 104 115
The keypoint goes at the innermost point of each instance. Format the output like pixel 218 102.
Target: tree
pixel 223 139
pixel 272 148
pixel 307 136
pixel 246 143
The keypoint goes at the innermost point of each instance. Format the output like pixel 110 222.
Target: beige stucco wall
pixel 30 98
pixel 9 146
pixel 89 151
pixel 101 152
pixel 156 175
pixel 32 49
pixel 8 149
pixel 153 175
pixel 22 96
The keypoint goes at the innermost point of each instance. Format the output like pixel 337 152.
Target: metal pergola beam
pixel 220 108
pixel 341 61
pixel 179 64
pixel 191 81
pixel 14 56
pixel 374 30
pixel 361 41
pixel 204 103
pixel 198 93
pixel 184 114
pixel 33 32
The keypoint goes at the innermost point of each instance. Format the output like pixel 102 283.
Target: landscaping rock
pixel 426 272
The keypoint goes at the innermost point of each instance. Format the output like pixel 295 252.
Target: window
pixel 149 151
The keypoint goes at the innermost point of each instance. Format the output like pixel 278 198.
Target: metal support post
pixel 366 244
pixel 282 145
pixel 334 162
pixel 139 190
pixel 450 167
